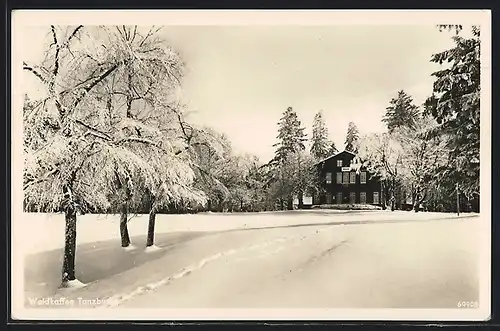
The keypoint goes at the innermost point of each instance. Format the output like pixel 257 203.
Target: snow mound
pixel 129 248
pixel 73 284
pixel 151 249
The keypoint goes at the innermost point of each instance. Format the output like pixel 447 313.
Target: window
pixel 353 178
pixel 362 197
pixel 339 163
pixel 363 177
pixel 345 178
pixel 339 198
pixel 352 198
pixel 328 177
pixel 376 198
pixel 328 199
pixel 339 178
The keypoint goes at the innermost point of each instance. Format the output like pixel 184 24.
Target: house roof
pixel 334 155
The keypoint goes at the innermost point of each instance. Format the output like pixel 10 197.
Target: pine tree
pixel 291 140
pixel 291 136
pixel 401 112
pixel 352 138
pixel 320 145
pixel 455 104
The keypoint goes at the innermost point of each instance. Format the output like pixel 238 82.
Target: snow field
pixel 42 232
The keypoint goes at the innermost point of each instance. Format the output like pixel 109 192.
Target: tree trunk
pixel 416 206
pixel 68 270
pixel 290 203
pixel 418 201
pixel 413 196
pixel 398 197
pixel 393 197
pixel 301 200
pixel 415 201
pixel 209 205
pixel 123 225
pixel 385 193
pixel 151 228
pixel 282 204
pixel 393 201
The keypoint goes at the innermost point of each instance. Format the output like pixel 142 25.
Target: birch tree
pixel 174 181
pixel 152 111
pixel 58 141
pixel 77 146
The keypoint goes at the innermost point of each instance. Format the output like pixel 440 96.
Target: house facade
pixel 342 184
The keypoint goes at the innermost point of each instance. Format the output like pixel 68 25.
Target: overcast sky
pixel 240 79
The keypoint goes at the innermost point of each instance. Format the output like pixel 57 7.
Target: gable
pixel 330 164
pixel 343 155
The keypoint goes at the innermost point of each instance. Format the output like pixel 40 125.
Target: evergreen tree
pixel 352 138
pixel 401 112
pixel 291 139
pixel 291 136
pixel 455 105
pixel 320 146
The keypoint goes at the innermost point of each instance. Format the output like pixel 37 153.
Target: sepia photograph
pixel 272 165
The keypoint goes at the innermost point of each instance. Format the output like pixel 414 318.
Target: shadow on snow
pixel 104 259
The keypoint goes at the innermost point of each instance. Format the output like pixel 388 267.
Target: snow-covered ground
pixel 41 232
pixel 297 259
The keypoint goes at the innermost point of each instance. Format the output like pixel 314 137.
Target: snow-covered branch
pixel 94 131
pixel 45 177
pixel 90 86
pixel 35 71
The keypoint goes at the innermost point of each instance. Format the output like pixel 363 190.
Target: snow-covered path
pixel 407 265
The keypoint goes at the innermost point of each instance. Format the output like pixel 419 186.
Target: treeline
pixel 430 154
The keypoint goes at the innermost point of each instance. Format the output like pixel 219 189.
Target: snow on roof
pixel 331 156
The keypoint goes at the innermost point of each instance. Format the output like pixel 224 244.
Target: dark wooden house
pixel 342 184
